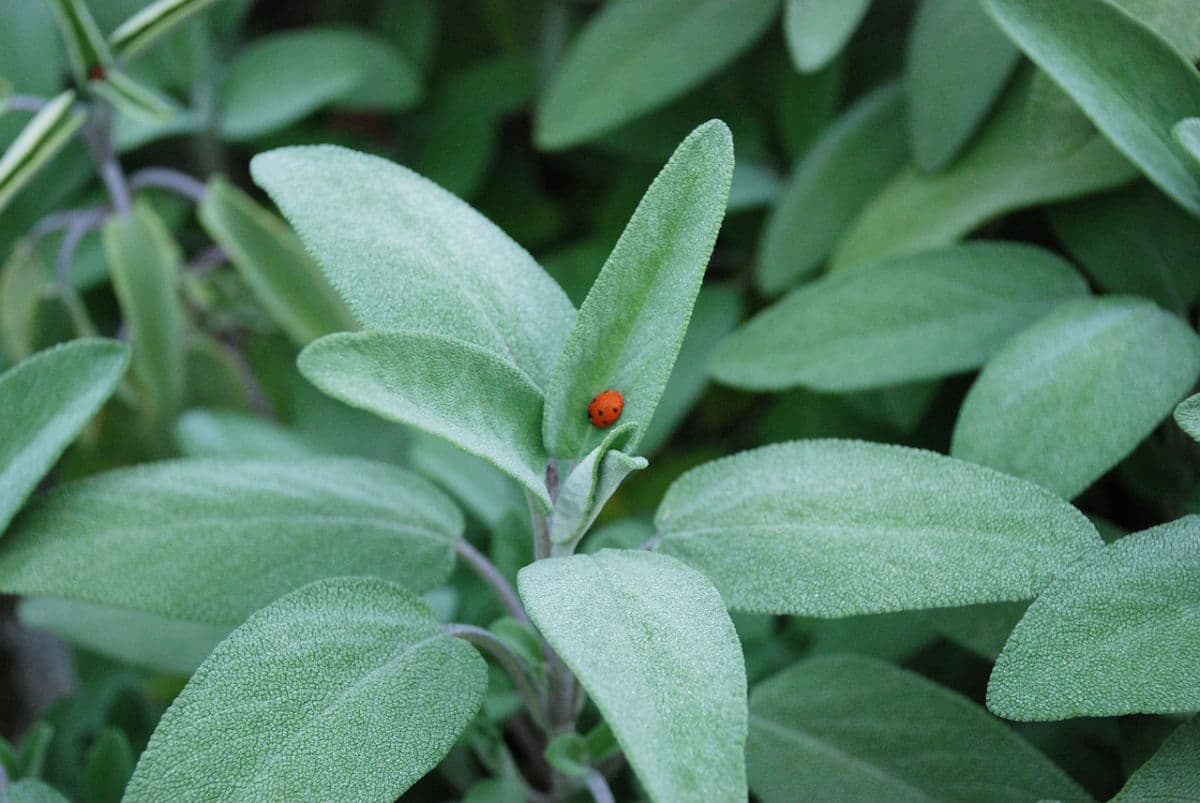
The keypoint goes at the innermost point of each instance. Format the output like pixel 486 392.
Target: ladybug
pixel 97 73
pixel 605 408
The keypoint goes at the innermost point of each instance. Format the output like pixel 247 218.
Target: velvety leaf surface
pixel 44 403
pixel 1187 415
pixel 406 254
pixel 1118 633
pixel 1069 398
pixel 226 433
pixel 590 484
pixel 347 689
pixel 213 540
pixel 907 318
pixel 854 728
pixel 634 57
pixel 653 646
pixel 633 321
pixel 835 528
pixel 1134 100
pixel 817 30
pixel 455 390
pixel 28 790
pixel 1169 774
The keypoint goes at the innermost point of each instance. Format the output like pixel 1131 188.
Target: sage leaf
pixel 475 484
pixel 1187 416
pixel 853 728
pixel 591 483
pixel 455 390
pixel 1169 774
pixel 632 58
pixel 1187 134
pixel 833 528
pixel 86 47
pixel 653 646
pixel 633 321
pixel 107 767
pixel 817 30
pixel 150 24
pixel 406 254
pixel 39 141
pixel 44 403
pixel 903 319
pixel 347 689
pixel 1072 395
pixel 134 99
pixel 227 433
pixel 213 540
pixel 28 790
pixel 1118 633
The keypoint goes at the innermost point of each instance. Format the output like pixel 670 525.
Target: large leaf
pixel 958 63
pixel 481 403
pixel 633 320
pixel 1069 398
pixel 1134 100
pixel 652 644
pixel 634 57
pixel 835 528
pixel 843 170
pixel 44 402
pixel 213 540
pixel 406 254
pixel 1169 774
pixel 1118 633
pixel 347 689
pixel 817 30
pixel 853 728
pixel 911 317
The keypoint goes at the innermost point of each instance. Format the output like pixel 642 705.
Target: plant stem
pixel 23 103
pixel 596 784
pixel 488 572
pixel 98 136
pixel 527 687
pixel 541 530
pixel 174 181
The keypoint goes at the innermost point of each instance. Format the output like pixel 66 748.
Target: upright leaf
pixel 1187 134
pixel 652 644
pixel 134 99
pixel 213 540
pixel 633 320
pixel 347 689
pixel 634 57
pixel 86 47
pixel 1169 774
pixel 107 767
pixel 1187 415
pixel 1118 633
pixel 406 254
pixel 1069 398
pixel 835 528
pixel 44 402
pixel 151 24
pixel 41 139
pixel 817 30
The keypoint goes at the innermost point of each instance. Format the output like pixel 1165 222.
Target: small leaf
pixel 817 30
pixel 1187 416
pixel 852 728
pixel 406 254
pixel 346 689
pixel 479 402
pixel 107 767
pixel 213 540
pixel 1116 634
pixel 44 403
pixel 1169 774
pixel 41 139
pixel 34 746
pixel 86 47
pixel 903 319
pixel 652 644
pixel 1135 101
pixel 1072 395
pixel 632 324
pixel 634 57
pixel 151 24
pixel 591 483
pixel 134 99
pixel 31 791
pixel 568 754
pixel 834 528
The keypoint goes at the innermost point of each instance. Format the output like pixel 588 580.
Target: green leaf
pixel 1116 634
pixel 134 99
pixel 652 644
pixel 34 746
pixel 86 47
pixel 632 323
pixel 834 528
pixel 344 690
pixel 481 403
pixel 634 57
pixel 31 791
pixel 44 403
pixel 1187 416
pixel 846 167
pixel 853 728
pixel 41 139
pixel 591 483
pixel 225 433
pixel 406 254
pixel 151 24
pixel 273 262
pixel 958 62
pixel 1134 100
pixel 1071 396
pixel 474 483
pixel 568 754
pixel 213 540
pixel 143 261
pixel 107 767
pixel 1169 774
pixel 911 317
pixel 817 30
pixel 1187 134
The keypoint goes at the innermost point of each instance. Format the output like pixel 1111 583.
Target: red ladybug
pixel 605 409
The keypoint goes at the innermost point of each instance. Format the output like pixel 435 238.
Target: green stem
pixel 529 689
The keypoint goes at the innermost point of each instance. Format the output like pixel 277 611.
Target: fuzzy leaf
pixel 225 433
pixel 28 790
pixel 834 528
pixel 151 23
pixel 1187 134
pixel 346 689
pixel 39 141
pixel 1187 416
pixel 591 483
pixel 1169 774
pixel 817 30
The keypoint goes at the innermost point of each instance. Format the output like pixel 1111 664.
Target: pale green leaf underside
pixel 28 790
pixel 1118 633
pixel 1187 416
pixel 835 528
pixel 1072 395
pixel 44 402
pixel 817 30
pixel 1171 773
pixel 653 646
pixel 214 540
pixel 346 689
pixel 855 728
